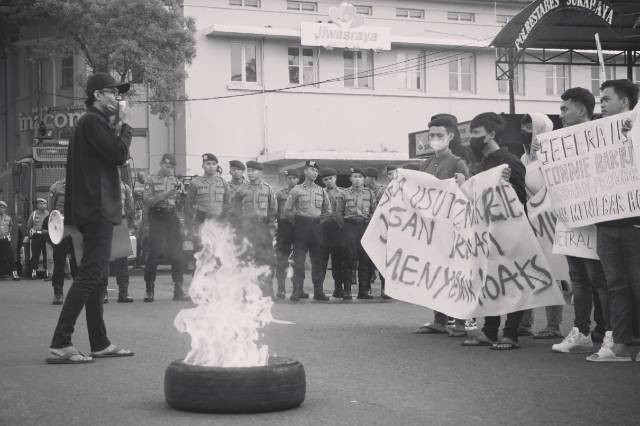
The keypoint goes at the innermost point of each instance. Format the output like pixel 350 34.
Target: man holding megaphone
pixel 93 205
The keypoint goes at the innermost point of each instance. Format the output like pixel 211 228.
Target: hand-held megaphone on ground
pixel 56 226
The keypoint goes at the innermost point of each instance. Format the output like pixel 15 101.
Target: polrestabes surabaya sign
pixel 600 8
pixel 347 30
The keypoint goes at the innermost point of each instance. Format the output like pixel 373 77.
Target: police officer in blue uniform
pixel 284 234
pixel 306 204
pixel 161 197
pixel 208 195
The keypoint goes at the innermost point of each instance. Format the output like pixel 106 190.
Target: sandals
pixel 69 355
pixel 112 351
pixel 479 340
pixel 431 328
pixel 505 344
pixel 548 334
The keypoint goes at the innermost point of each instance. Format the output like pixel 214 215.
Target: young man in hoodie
pixel 619 247
pixel 533 125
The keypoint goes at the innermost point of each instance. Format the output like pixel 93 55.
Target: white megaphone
pixel 56 226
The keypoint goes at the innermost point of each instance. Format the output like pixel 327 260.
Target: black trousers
pixel 7 262
pixel 354 229
pixel 164 229
pixel 120 268
pixel 60 253
pixel 307 237
pixel 88 288
pixel 510 330
pixel 334 246
pixel 38 247
pixel 284 246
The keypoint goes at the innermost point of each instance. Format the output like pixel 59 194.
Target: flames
pixel 224 326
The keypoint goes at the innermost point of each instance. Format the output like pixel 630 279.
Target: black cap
pixel 169 158
pixel 371 172
pixel 291 172
pixel 254 165
pixel 102 80
pixel 353 170
pixel 209 157
pixel 391 167
pixel 328 171
pixel 312 163
pixel 236 164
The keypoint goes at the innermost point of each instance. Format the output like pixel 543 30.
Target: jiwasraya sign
pixel 591 171
pixel 466 251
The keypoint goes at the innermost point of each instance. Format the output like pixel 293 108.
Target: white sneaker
pixel 607 342
pixel 575 342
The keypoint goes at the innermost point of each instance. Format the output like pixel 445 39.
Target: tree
pixel 151 38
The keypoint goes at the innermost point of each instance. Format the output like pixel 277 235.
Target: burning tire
pixel 280 385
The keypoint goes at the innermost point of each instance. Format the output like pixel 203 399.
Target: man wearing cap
pixel 255 205
pixel 333 242
pixel 7 262
pixel 62 249
pixel 208 195
pixel 356 211
pixel 38 237
pixel 284 233
pixel 99 145
pixel 236 170
pixel 161 194
pixel 307 202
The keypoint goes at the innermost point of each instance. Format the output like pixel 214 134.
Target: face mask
pixel 477 145
pixel 439 144
pixel 526 140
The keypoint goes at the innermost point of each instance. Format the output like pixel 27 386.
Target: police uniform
pixel 38 237
pixel 6 253
pixel 120 266
pixel 359 205
pixel 234 185
pixel 164 228
pixel 284 236
pixel 306 204
pixel 255 206
pixel 64 248
pixel 333 241
pixel 207 197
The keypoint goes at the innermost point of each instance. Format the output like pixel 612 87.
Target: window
pixel 66 72
pixel 304 6
pixel 357 69
pixel 518 81
pixel 610 73
pixel 410 13
pixel 413 77
pixel 364 10
pixel 503 19
pixel 461 16
pixel 462 74
pixel 557 79
pixel 245 3
pixel 245 65
pixel 302 61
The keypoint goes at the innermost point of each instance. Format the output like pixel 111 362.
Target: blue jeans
pixel 619 251
pixel 88 288
pixel 588 277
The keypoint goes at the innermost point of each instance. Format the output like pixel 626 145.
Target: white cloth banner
pixel 577 242
pixel 592 170
pixel 466 252
pixel 544 224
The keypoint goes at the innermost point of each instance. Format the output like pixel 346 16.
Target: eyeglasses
pixel 113 92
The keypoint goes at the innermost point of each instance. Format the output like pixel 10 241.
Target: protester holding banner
pixel 619 247
pixel 586 275
pixel 532 125
pixel 486 131
pixel 443 165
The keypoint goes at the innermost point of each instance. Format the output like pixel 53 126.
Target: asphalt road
pixel 363 366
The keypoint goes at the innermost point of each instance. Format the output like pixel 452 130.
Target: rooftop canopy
pixel 572 24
